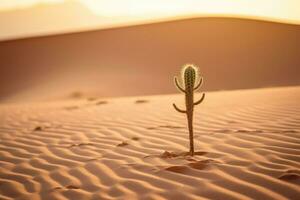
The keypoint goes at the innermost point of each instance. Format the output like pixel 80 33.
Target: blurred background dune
pixel 53 49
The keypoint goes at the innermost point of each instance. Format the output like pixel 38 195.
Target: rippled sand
pixel 247 143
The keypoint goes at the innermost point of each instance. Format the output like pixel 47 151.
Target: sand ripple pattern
pixel 248 145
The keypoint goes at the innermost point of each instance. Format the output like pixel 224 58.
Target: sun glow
pixel 17 4
pixel 27 18
pixel 277 10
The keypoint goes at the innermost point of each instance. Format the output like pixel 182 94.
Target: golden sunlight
pixel 17 4
pixel 276 10
pixel 149 99
pixel 101 14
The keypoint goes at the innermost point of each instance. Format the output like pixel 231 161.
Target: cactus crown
pixel 189 75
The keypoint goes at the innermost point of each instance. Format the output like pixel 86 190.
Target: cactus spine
pixel 191 82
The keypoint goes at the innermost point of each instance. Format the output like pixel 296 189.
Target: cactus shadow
pixel 170 155
pixel 192 165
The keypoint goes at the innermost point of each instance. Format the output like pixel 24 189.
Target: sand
pixel 247 143
pixel 231 53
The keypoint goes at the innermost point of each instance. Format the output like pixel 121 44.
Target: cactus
pixel 191 82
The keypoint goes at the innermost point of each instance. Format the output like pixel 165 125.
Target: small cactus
pixel 191 82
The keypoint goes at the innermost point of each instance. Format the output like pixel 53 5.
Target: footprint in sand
pixel 94 159
pixel 135 138
pixel 69 187
pixel 101 102
pixel 122 144
pixel 56 188
pixel 141 101
pixel 91 99
pixel 72 187
pixel 76 95
pixel 41 128
pixel 290 175
pixel 38 128
pixel 77 107
pixel 79 144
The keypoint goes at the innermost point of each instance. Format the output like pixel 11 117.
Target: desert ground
pixel 231 53
pixel 247 144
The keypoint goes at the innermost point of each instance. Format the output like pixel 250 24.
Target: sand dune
pixel 141 60
pixel 247 142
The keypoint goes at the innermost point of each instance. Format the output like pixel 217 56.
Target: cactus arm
pixel 178 85
pixel 199 84
pixel 179 110
pixel 200 100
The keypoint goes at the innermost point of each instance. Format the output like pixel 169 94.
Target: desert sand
pixel 247 143
pixel 142 59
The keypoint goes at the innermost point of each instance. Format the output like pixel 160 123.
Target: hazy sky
pixel 71 15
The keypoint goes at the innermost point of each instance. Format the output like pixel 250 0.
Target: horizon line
pixel 153 21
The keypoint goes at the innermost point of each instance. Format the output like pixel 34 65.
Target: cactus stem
pixel 189 78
